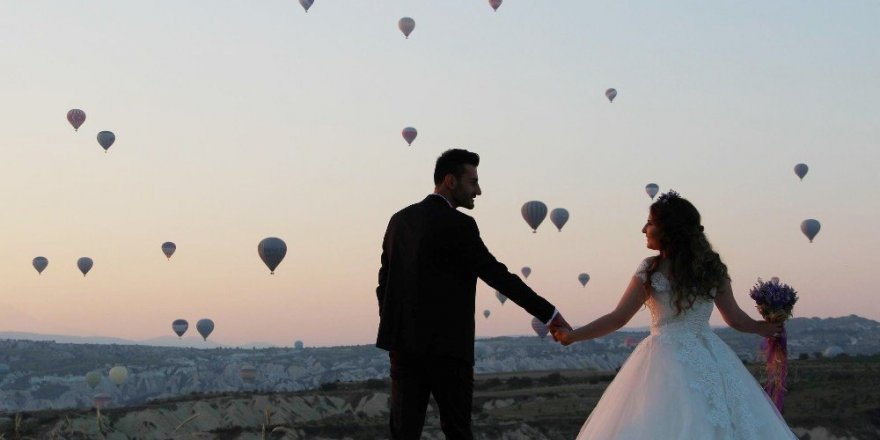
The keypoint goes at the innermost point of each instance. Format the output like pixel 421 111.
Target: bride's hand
pixel 769 329
pixel 562 335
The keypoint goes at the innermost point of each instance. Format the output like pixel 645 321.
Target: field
pixel 829 399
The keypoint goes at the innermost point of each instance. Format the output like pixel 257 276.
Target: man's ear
pixel 449 181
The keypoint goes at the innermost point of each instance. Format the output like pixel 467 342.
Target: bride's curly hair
pixel 695 269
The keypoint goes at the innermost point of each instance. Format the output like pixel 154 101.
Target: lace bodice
pixel 664 316
pixel 708 360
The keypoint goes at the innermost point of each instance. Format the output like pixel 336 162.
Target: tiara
pixel 668 196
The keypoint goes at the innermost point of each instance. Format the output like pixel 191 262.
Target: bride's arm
pixel 630 303
pixel 736 318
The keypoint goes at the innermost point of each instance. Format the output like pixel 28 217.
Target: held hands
pixel 561 330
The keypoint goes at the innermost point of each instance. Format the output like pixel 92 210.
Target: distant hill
pixel 161 341
pixel 40 374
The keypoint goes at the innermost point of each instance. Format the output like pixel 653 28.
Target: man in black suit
pixel 432 255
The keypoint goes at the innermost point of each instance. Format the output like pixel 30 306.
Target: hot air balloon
pixel 559 216
pixel 540 328
pixel 106 139
pixel 500 297
pixel 101 400
pixel 76 117
pixel 179 326
pixel 409 135
pixel 652 189
pixel 85 265
pixel 495 4
pixel 406 25
pixel 205 327
pixel 774 280
pixel 801 170
pixel 93 378
pixel 168 249
pixel 584 279
pixel 526 271
pixel 248 374
pixel 118 374
pixel 298 345
pixel 306 4
pixel 272 250
pixel 40 264
pixel 810 228
pixel 486 313
pixel 534 213
pixel 611 94
pixel 832 351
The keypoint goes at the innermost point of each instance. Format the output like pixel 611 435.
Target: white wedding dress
pixel 683 383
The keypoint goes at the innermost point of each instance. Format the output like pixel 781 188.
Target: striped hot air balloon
pixel 179 326
pixel 810 227
pixel 533 213
pixel 611 94
pixel 76 117
pixel 272 251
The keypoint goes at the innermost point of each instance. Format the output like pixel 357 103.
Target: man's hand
pixel 563 336
pixel 559 326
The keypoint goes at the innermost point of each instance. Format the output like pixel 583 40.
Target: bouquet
pixel 775 302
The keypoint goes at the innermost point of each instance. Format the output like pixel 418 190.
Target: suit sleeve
pixel 383 269
pixel 477 257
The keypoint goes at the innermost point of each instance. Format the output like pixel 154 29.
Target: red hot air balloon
pixel 76 117
pixel 409 135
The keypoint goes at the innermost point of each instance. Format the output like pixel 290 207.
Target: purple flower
pixel 774 299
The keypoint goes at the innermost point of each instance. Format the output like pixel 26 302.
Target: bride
pixel 682 382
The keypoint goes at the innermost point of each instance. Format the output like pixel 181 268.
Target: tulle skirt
pixel 682 384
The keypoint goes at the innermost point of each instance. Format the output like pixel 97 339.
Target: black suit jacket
pixel 432 256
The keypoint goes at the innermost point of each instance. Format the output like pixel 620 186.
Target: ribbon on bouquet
pixel 777 368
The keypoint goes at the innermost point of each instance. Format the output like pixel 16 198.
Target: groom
pixel 432 255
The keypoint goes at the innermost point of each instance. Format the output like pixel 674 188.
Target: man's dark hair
pixel 452 162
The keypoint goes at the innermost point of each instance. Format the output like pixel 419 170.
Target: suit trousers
pixel 414 378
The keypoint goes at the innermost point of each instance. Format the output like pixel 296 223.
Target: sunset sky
pixel 240 120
